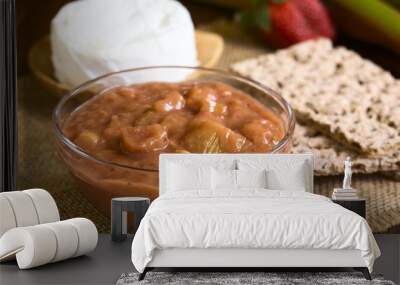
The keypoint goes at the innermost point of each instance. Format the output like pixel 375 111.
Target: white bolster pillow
pixel 87 235
pixel 26 208
pixel 40 244
pixel 67 239
pixel 7 218
pixel 46 207
pixel 23 208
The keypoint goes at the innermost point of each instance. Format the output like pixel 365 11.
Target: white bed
pixel 282 224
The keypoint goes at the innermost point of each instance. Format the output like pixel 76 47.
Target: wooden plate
pixel 209 50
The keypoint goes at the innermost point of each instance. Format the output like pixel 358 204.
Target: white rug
pixel 268 278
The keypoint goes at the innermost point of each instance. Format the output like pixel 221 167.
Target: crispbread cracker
pixel 347 97
pixel 329 155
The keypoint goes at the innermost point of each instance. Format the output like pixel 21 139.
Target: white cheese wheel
pixel 90 38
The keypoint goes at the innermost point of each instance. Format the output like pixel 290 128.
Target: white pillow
pixel 224 179
pixel 251 179
pixel 181 177
pixel 293 180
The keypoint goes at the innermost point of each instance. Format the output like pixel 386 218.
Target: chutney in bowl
pixel 111 131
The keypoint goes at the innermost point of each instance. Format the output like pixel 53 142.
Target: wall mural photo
pixel 256 137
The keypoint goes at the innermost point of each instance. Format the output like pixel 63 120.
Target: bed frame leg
pixel 364 271
pixel 143 274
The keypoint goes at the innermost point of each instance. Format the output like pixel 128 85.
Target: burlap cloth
pixel 40 167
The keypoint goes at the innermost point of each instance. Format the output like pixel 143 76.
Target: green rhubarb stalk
pixel 380 14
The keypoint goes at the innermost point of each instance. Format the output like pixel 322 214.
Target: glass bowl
pixel 102 180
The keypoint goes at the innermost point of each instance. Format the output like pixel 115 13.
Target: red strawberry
pixel 317 17
pixel 293 21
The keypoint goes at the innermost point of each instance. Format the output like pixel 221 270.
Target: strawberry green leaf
pixel 257 15
pixel 262 18
pixel 255 3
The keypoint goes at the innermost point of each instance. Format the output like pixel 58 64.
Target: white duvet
pixel 250 219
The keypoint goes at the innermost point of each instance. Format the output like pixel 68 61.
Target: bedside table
pixel 119 219
pixel 356 205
